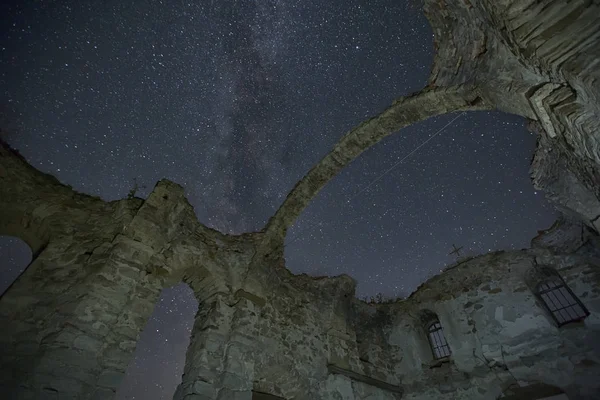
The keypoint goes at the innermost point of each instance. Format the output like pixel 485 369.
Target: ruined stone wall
pixel 298 337
pixel 219 358
pixel 498 331
pixel 537 59
pixel 71 320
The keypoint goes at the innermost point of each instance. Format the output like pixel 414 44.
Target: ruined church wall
pixel 292 340
pixel 300 333
pixel 71 321
pixel 497 329
pixel 538 60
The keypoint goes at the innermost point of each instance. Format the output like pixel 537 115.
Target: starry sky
pixel 236 100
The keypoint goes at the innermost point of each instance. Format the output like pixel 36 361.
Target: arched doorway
pixel 159 358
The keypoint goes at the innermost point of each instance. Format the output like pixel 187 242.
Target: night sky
pixel 236 100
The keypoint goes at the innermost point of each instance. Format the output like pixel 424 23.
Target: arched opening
pixel 431 325
pixel 15 256
pixel 469 186
pixel 159 358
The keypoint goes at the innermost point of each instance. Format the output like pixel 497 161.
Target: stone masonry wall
pixel 537 59
pixel 499 333
pixel 309 338
pixel 74 315
pixel 71 320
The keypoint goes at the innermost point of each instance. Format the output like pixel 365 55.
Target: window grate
pixel 562 303
pixel 439 346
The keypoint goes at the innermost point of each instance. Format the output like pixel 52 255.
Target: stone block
pixel 103 394
pixel 213 344
pixel 204 388
pixel 115 357
pixel 207 370
pixel 110 379
pixel 126 331
pixel 88 377
pixel 127 345
pixel 228 394
pixel 235 382
pixel 65 387
pixel 242 294
pixel 88 343
pixel 245 341
pixel 55 359
pixel 131 274
pixel 141 307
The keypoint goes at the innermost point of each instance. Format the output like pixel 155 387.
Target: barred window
pixel 562 303
pixel 439 346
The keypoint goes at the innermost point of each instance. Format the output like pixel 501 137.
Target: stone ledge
pixel 259 301
pixel 333 369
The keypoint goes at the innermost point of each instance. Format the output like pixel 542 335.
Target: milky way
pixel 236 100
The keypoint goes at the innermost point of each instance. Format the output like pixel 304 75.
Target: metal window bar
pixel 564 306
pixel 439 346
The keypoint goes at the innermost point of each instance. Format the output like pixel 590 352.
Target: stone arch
pixel 210 331
pixel 427 317
pixel 15 223
pixel 206 284
pixel 405 111
pixel 159 357
pixel 20 185
pixel 423 319
pixel 78 309
pixel 494 66
pixel 219 360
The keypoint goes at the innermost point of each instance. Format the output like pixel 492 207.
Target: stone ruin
pixel 515 325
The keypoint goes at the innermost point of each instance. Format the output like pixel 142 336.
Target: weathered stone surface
pixel 538 59
pixel 71 320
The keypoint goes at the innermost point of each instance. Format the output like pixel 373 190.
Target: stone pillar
pixel 71 320
pixel 26 309
pixel 237 380
pixel 220 358
pixel 204 357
